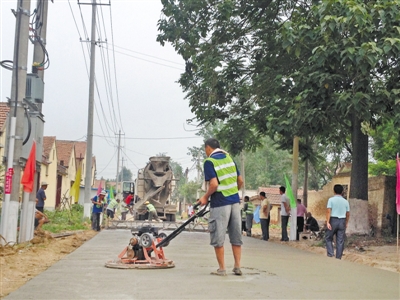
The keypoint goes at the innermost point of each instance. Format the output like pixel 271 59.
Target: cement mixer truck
pixel 155 183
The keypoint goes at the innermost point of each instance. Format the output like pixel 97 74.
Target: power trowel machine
pixel 145 248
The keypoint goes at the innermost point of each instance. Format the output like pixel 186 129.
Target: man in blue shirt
pixel 41 196
pixel 224 181
pixel 337 219
pixel 98 203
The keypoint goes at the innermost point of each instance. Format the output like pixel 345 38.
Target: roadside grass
pixel 66 220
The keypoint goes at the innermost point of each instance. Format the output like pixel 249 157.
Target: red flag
pixel 398 184
pixel 29 171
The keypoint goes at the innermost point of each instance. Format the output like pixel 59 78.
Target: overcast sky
pixel 148 106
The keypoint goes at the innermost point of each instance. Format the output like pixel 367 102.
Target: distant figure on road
pixel 249 210
pixel 223 182
pixel 190 210
pixel 301 211
pixel 265 216
pixel 337 219
pixel 41 196
pixel 285 212
pixel 311 223
pixel 98 203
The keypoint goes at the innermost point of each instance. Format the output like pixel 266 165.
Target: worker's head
pixel 44 185
pixel 246 198
pixel 299 201
pixel 103 194
pixel 262 195
pixel 282 190
pixel 308 214
pixel 210 145
pixel 118 199
pixel 338 189
pixel 147 202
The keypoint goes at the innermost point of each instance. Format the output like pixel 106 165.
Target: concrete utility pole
pixel 27 220
pixel 243 174
pixel 9 218
pixel 119 148
pixel 295 174
pixel 89 138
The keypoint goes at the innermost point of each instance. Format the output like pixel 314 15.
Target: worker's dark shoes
pixel 219 273
pixel 237 271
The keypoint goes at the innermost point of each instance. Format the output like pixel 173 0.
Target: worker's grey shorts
pixel 222 218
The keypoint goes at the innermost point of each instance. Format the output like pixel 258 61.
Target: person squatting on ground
pixel 311 223
pixel 41 196
pixel 40 219
pixel 98 202
pixel 265 216
pixel 249 210
pixel 152 212
pixel 301 211
pixel 285 212
pixel 223 182
pixel 337 219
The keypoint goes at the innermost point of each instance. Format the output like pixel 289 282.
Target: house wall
pixel 48 173
pixel 380 204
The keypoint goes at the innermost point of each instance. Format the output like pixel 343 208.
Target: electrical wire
pixel 159 138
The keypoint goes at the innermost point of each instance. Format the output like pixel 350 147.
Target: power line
pixel 170 61
pixel 158 138
pixel 153 62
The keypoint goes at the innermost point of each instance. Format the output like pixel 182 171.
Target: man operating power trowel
pixel 223 183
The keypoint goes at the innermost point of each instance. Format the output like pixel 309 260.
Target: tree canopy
pixel 321 70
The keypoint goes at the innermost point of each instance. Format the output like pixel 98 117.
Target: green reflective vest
pixel 226 174
pixel 150 207
pixel 250 208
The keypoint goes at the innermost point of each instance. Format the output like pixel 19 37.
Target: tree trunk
pixel 359 167
pixel 305 187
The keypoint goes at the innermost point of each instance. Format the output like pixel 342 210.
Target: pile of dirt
pixel 21 262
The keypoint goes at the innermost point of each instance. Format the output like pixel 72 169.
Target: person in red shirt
pixel 129 198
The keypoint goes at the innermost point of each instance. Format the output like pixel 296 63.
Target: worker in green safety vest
pixel 222 184
pixel 152 212
pixel 249 210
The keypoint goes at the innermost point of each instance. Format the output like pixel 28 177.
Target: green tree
pixel 385 146
pixel 320 69
pixel 125 174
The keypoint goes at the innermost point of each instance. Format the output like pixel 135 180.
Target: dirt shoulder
pixel 375 252
pixel 20 263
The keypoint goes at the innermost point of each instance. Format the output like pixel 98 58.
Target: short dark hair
pixel 246 198
pixel 213 143
pixel 282 189
pixel 299 200
pixel 262 194
pixel 338 189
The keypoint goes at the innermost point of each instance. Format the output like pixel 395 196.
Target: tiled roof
pixel 48 142
pixel 64 151
pixel 273 195
pixel 80 149
pixel 4 109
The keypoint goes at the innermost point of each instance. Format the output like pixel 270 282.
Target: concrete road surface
pixel 270 271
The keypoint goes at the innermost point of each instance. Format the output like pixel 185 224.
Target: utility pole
pixel 9 218
pixel 27 219
pixel 119 148
pixel 89 138
pixel 243 174
pixel 295 173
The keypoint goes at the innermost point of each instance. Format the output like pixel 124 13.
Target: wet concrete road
pixel 270 271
